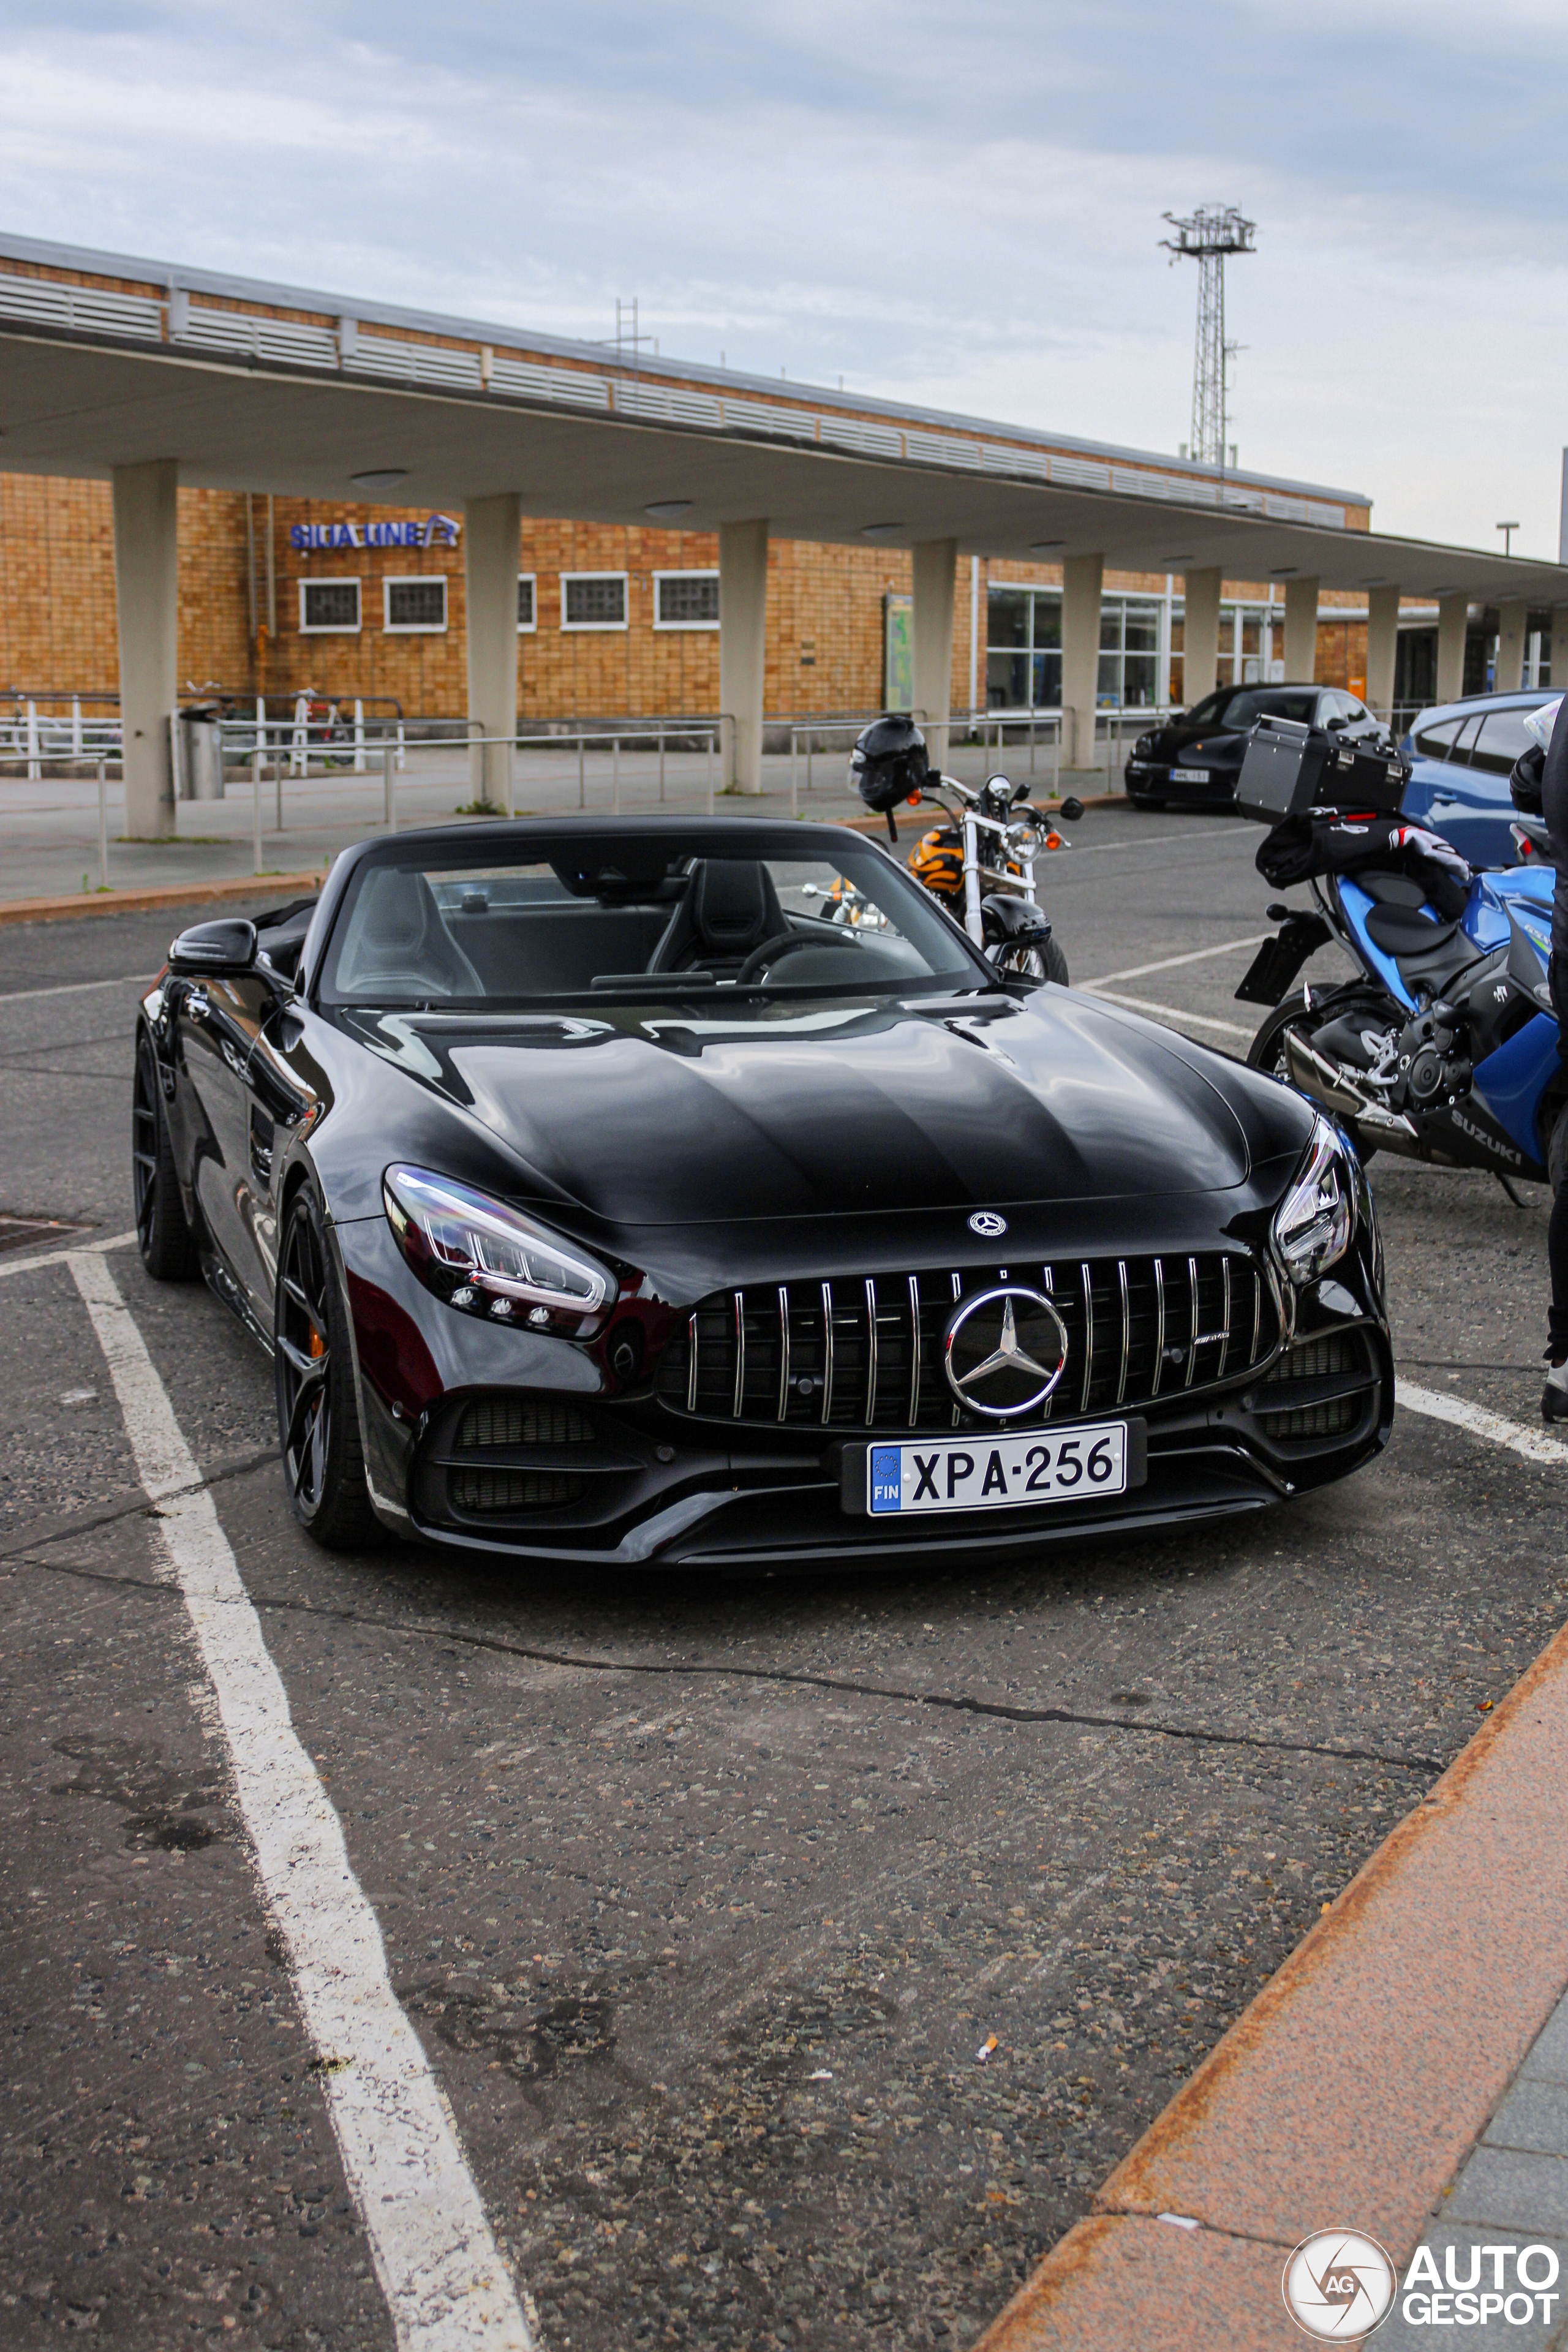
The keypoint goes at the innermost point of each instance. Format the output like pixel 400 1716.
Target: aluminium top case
pixel 1289 767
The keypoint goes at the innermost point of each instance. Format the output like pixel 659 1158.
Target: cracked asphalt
pixel 796 1957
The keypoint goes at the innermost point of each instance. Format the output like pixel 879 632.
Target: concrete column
pixel 1082 577
pixel 1381 644
pixel 936 565
pixel 1453 617
pixel 1301 632
pixel 1200 634
pixel 1557 650
pixel 1512 621
pixel 742 649
pixel 146 595
pixel 491 541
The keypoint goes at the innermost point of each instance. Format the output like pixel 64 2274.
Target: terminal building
pixel 210 485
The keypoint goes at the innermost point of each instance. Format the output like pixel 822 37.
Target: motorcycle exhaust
pixel 1332 1088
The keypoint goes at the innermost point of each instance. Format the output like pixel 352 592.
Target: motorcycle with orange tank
pixel 981 863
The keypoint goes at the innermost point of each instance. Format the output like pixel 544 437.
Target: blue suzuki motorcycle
pixel 1443 1045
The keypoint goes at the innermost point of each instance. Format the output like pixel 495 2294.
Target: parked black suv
pixel 1193 760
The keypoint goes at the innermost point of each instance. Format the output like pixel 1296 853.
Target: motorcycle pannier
pixel 1290 768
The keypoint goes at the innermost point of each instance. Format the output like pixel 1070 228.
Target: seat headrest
pixel 395 916
pixel 734 906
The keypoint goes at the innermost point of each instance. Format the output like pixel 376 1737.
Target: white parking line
pixel 440 2269
pixel 1173 1013
pixel 71 988
pixel 59 1257
pixel 1533 1444
pixel 1169 963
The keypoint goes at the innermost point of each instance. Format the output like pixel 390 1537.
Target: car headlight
pixel 1314 1224
pixel 486 1258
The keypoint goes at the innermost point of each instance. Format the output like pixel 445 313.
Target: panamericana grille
pixel 866 1352
pixel 519 1420
pixel 513 1490
pixel 1320 1388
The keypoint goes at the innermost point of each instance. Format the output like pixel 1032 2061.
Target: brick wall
pixel 825 612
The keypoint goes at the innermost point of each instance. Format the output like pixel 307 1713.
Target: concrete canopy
pixel 109 389
pixel 73 408
pixel 151 376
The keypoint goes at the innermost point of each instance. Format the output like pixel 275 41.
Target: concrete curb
pixel 148 901
pixel 1349 2091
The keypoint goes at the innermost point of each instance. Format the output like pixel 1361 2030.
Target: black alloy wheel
pixel 163 1237
pixel 318 1413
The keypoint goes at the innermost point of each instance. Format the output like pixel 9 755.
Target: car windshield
pixel 611 915
pixel 1235 708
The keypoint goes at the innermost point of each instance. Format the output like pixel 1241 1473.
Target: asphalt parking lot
pixel 796 1957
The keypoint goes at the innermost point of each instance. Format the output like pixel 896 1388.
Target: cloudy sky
pixel 954 205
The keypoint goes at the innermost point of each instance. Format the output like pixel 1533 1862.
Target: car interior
pixel 568 929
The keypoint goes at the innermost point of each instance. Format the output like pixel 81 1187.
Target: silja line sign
pixel 437 530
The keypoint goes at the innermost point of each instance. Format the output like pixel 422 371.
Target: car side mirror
pixel 1336 726
pixel 214 948
pixel 1070 810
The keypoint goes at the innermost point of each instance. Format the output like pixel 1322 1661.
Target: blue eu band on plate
pixel 983 1473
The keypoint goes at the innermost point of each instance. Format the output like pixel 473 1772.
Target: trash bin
pixel 201 753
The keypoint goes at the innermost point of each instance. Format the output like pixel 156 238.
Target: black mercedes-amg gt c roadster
pixel 693 1193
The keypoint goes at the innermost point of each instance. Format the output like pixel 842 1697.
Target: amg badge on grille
pixel 1004 1351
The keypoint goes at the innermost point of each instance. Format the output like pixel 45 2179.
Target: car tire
pixel 163 1235
pixel 319 1436
pixel 1146 800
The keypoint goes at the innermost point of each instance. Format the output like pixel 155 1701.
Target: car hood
pixel 1171 742
pixel 675 1116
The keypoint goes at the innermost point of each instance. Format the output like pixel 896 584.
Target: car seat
pixel 730 907
pixel 398 941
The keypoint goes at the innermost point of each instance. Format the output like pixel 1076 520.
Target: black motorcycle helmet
pixel 888 764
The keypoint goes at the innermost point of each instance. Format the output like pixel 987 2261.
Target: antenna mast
pixel 1206 237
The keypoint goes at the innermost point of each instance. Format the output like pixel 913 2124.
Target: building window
pixel 329 604
pixel 593 600
pixel 414 607
pixel 1024 649
pixel 685 600
pixel 527 615
pixel 1129 652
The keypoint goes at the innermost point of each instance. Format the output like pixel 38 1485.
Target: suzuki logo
pixel 1004 1351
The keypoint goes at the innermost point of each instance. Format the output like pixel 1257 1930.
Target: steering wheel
pixel 774 950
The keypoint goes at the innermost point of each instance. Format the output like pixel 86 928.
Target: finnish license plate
pixel 1189 775
pixel 993 1473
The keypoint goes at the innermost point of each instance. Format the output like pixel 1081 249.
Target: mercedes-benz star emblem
pixel 1005 1352
pixel 987 1224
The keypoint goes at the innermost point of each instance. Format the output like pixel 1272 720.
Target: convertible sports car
pixel 694 1192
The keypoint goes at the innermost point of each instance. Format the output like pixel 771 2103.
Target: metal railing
pixel 1112 726
pixel 69 735
pixel 621 734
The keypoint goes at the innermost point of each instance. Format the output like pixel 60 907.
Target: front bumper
pixel 537 1458
pixel 1152 780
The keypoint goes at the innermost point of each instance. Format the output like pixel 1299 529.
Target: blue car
pixel 1461 753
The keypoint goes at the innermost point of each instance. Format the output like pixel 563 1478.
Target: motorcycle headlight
pixel 486 1258
pixel 1314 1224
